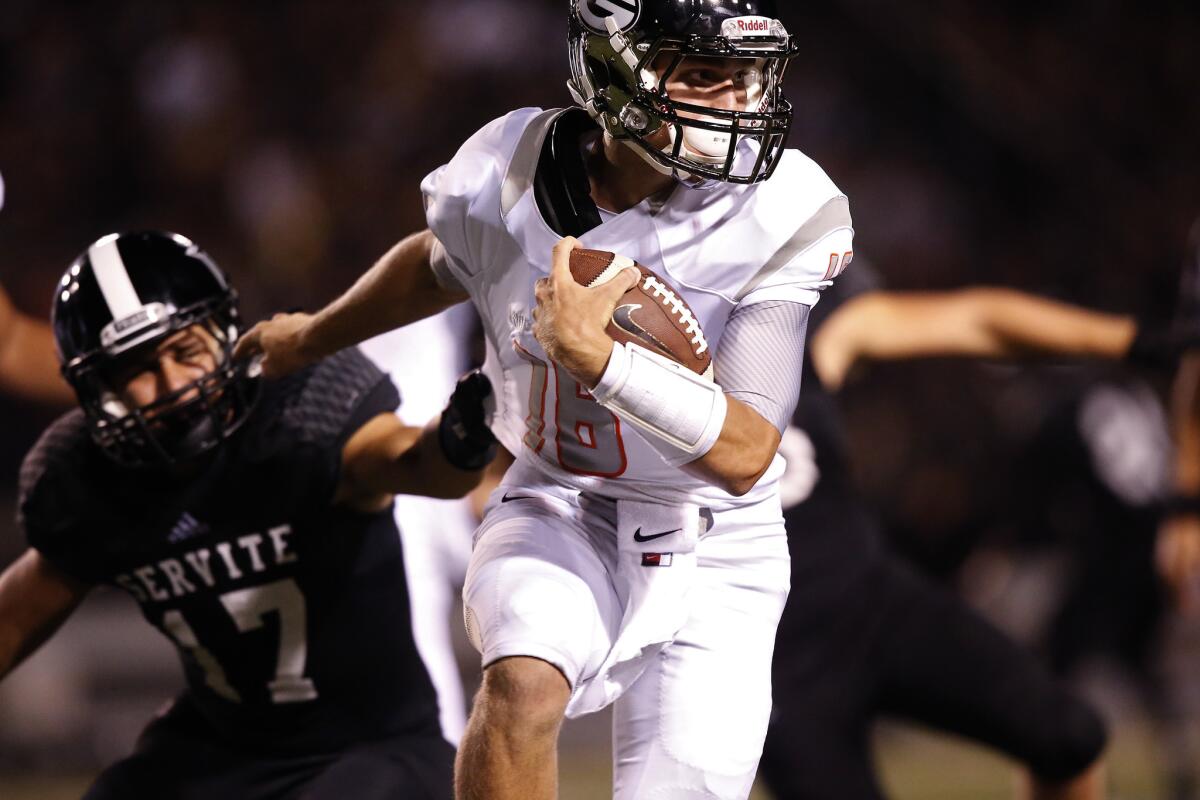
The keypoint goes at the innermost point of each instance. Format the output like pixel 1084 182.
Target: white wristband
pixel 679 413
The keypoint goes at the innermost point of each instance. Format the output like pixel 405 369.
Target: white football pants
pixel 540 584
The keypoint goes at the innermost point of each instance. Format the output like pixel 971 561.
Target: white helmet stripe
pixel 109 269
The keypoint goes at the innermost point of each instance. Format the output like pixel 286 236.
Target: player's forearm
pixel 1024 324
pixel 16 645
pixel 741 454
pixel 408 461
pixel 1185 414
pixel 29 363
pixel 981 323
pixel 398 289
pixel 35 599
pixel 432 473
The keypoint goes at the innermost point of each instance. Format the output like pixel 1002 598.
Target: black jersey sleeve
pixel 56 509
pixel 311 417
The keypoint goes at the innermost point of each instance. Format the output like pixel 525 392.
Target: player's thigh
pixel 804 760
pixel 692 726
pixel 538 587
pixel 824 683
pixel 948 668
pixel 818 743
pixel 398 769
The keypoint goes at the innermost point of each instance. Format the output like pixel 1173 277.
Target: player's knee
pixel 523 607
pixel 525 695
pixel 1076 737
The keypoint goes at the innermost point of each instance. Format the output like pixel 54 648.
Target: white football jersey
pixel 425 360
pixel 784 239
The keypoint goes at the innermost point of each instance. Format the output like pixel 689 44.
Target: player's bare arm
pixel 445 459
pixel 1178 550
pixel 35 599
pixel 977 322
pixel 570 325
pixel 398 289
pixel 28 363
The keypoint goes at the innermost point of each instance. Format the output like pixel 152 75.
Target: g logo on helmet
pixel 593 13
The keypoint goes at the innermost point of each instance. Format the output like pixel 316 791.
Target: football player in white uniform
pixel 635 553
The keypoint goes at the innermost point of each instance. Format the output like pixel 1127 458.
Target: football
pixel 651 314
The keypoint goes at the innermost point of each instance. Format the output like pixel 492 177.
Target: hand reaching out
pixel 279 341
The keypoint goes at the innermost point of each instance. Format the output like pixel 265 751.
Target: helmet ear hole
pixel 600 73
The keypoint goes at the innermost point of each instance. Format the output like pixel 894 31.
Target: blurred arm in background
pixel 28 362
pixel 35 599
pixel 1178 552
pixel 975 322
pixel 1001 323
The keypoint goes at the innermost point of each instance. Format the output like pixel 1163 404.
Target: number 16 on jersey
pixel 587 436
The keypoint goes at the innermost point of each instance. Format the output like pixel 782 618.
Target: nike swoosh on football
pixel 638 537
pixel 623 318
pixel 508 499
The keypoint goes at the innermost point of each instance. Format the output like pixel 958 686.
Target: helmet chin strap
pixel 685 178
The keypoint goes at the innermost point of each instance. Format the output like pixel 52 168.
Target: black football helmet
pixel 614 44
pixel 121 297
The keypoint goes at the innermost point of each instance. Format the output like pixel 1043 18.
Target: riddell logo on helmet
pixel 752 24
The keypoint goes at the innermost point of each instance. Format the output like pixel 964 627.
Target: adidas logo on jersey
pixel 186 528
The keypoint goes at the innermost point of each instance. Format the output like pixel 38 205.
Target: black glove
pixel 1162 345
pixel 463 432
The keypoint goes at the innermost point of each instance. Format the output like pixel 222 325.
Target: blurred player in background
pixel 1179 539
pixel 630 557
pixel 28 364
pixel 1178 548
pixel 426 358
pixel 1089 487
pixel 863 635
pixel 251 520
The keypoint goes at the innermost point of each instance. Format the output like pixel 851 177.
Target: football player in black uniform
pixel 863 635
pixel 251 521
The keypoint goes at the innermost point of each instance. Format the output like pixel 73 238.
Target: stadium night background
pixel 1051 149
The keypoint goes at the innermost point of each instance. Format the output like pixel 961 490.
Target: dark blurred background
pixel 1048 147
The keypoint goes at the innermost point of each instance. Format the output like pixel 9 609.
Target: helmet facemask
pixel 623 83
pixel 178 426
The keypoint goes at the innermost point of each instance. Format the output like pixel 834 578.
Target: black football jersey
pixel 290 615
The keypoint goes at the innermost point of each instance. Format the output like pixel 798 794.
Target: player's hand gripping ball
pixel 593 297
pixel 651 313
